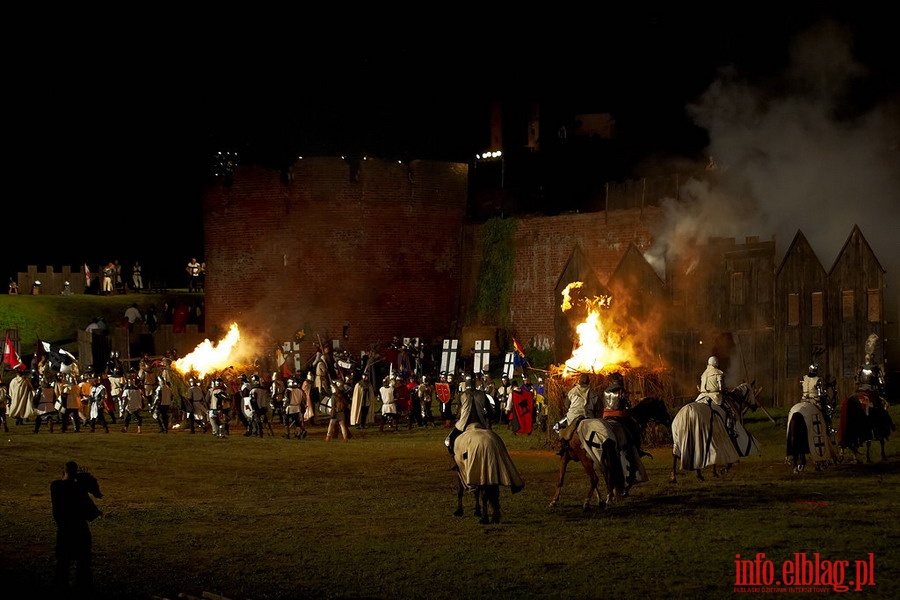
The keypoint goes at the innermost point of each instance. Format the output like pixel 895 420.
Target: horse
pixel 601 445
pixel 864 419
pixel 482 464
pixel 808 434
pixel 700 437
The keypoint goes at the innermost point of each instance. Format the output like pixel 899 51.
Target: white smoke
pixel 792 154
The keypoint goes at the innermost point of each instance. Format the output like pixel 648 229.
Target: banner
pixel 522 417
pixel 11 357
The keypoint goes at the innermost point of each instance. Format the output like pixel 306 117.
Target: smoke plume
pixel 814 148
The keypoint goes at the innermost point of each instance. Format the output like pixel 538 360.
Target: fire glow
pixel 600 346
pixel 208 357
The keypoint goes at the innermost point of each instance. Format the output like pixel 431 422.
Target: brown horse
pixel 602 448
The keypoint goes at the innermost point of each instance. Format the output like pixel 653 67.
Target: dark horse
pixel 483 464
pixel 600 444
pixel 864 419
pixel 700 437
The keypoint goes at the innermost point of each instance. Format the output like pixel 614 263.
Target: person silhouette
pixel 73 510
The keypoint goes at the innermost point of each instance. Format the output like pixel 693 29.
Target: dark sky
pixel 116 120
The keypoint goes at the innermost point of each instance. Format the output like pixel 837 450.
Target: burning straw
pixel 639 381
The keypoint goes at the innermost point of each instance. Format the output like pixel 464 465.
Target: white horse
pixel 808 435
pixel 701 436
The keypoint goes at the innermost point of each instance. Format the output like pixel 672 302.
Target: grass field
pixel 246 518
pixel 249 518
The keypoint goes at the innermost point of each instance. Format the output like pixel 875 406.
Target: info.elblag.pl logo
pixel 803 574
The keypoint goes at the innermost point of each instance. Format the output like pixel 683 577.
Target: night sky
pixel 119 124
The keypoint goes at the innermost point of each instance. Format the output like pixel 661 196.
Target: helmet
pixel 713 361
pixel 813 370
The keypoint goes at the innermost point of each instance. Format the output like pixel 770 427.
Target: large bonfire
pixel 602 347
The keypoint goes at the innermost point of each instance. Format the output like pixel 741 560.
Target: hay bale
pixel 639 381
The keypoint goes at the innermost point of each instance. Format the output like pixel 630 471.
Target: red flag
pixel 11 357
pixel 87 276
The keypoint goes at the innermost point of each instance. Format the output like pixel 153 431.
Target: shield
pixel 523 411
pixel 325 406
pixel 492 406
pixel 443 392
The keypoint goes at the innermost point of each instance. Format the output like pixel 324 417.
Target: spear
pixel 744 362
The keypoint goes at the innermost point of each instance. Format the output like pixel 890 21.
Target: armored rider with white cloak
pixel 813 391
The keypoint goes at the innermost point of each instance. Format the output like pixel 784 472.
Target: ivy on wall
pixel 493 288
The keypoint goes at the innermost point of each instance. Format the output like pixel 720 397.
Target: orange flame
pixel 601 346
pixel 208 357
pixel 567 299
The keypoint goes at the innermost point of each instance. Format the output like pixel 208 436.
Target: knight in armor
pixel 244 412
pixel 258 415
pixel 712 391
pixel 813 391
pixel 277 391
pixel 219 408
pixel 293 410
pixel 133 401
pixel 581 400
pixel 322 374
pixel 427 396
pixel 97 411
pixel 503 397
pixel 389 416
pixel 617 407
pixel 45 409
pixel 869 378
pixel 361 402
pixel 310 399
pixel 472 409
pixel 195 408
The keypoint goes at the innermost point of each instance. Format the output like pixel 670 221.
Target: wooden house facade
pixel 801 305
pixel 855 310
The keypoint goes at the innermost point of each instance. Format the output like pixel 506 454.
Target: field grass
pixel 272 518
pixel 246 518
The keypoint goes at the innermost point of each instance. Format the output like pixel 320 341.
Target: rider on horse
pixel 870 382
pixel 582 403
pixel 813 388
pixel 616 407
pixel 712 391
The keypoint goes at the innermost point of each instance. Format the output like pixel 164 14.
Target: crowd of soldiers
pixel 117 396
